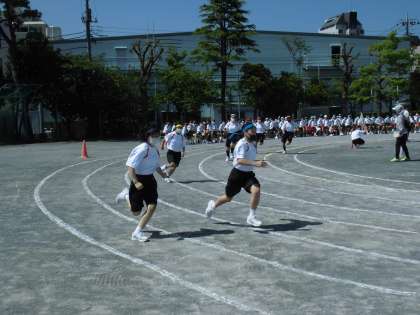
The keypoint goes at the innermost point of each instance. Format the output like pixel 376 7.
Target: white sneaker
pixel 139 236
pixel 210 209
pixel 251 220
pixel 284 152
pixel 122 195
pixel 227 159
pixel 168 180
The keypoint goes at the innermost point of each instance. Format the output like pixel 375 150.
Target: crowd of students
pixel 324 125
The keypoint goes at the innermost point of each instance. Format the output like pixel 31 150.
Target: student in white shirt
pixel 175 142
pixel 242 175
pixel 288 133
pixel 142 162
pixel 233 130
pixel 357 135
pixel 260 127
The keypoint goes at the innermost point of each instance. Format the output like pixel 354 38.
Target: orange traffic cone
pixel 84 150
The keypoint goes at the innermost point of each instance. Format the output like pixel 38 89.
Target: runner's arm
pixel 133 177
pixel 257 163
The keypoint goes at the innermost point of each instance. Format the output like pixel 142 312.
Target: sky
pixel 124 17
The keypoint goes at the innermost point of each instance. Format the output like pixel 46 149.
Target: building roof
pixel 160 35
pixel 342 19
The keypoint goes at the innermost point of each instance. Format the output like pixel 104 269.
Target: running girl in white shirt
pixel 175 142
pixel 142 162
pixel 242 175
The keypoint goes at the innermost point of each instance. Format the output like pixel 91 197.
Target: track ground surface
pixel 340 234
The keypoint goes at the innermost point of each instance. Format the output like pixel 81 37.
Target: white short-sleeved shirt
pixel 287 126
pixel 232 127
pixel 175 142
pixel 357 134
pixel 260 127
pixel 244 150
pixel 144 158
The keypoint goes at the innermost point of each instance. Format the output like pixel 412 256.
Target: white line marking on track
pixel 135 260
pixel 333 180
pixel 350 174
pixel 240 254
pixel 200 167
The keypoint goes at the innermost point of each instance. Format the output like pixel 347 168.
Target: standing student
pixel 175 143
pixel 260 127
pixel 402 128
pixel 288 133
pixel 142 162
pixel 242 175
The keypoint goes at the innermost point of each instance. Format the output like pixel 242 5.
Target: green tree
pixel 254 84
pixel 186 89
pixel 347 57
pixel 388 74
pixel 149 53
pixel 13 15
pixel 226 38
pixel 316 93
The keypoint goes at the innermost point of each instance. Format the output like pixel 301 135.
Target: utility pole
pixel 407 23
pixel 87 20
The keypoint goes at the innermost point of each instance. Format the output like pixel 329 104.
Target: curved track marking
pixel 135 260
pixel 240 254
pixel 200 167
pixel 350 174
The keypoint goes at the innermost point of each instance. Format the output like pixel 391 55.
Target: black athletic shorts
pixel 260 137
pixel 358 141
pixel 147 195
pixel 239 179
pixel 287 136
pixel 232 138
pixel 173 157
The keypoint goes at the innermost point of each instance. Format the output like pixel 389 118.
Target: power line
pixel 408 23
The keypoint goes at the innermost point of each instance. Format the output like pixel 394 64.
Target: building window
pixel 335 55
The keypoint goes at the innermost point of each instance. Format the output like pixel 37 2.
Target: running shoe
pixel 227 159
pixel 122 195
pixel 168 180
pixel 210 209
pixel 252 220
pixel 139 236
pixel 284 152
pixel 395 160
pixel 405 159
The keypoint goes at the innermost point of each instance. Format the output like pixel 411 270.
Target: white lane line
pixel 317 178
pixel 324 219
pixel 368 196
pixel 135 260
pixel 298 238
pixel 350 174
pixel 240 254
pixel 326 205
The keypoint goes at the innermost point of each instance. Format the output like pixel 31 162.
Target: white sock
pixel 137 230
pixel 252 212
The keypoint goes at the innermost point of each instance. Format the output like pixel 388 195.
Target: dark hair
pixel 144 134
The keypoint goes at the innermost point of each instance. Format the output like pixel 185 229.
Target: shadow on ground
pixel 190 234
pixel 293 225
pixel 197 181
